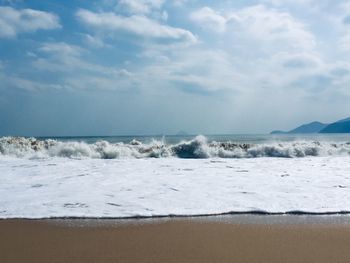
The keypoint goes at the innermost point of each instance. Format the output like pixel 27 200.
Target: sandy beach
pixel 172 241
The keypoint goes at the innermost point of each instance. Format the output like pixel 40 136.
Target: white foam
pixel 58 187
pixel 199 147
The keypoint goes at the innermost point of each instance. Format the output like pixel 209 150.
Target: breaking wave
pixel 199 147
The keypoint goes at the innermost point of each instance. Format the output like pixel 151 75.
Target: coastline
pixel 246 238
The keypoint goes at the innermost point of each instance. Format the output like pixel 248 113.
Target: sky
pixel 141 67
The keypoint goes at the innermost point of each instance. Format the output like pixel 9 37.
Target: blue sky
pixel 157 66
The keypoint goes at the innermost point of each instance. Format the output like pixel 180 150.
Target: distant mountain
pixel 344 120
pixel 313 127
pixel 342 126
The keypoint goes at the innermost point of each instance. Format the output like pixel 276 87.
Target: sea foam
pixel 197 148
pixel 62 187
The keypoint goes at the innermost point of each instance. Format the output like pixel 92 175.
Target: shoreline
pixel 251 218
pixel 220 239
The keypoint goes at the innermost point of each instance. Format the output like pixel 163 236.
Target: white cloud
pixel 93 41
pixel 286 2
pixel 179 3
pixel 15 21
pixel 135 24
pixel 164 15
pixel 344 42
pixel 72 71
pixel 299 61
pixel 193 69
pixel 270 53
pixel 24 84
pixel 60 49
pixel 341 25
pixel 259 23
pixel 140 6
pixel 209 18
pixel 67 59
pixel 31 54
pixel 282 70
pixel 273 25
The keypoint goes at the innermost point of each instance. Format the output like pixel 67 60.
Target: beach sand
pixel 36 241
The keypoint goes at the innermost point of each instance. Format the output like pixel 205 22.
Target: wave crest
pixel 199 147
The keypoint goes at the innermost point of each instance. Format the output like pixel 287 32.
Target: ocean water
pixel 148 176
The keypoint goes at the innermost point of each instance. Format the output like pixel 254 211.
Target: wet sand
pixel 36 241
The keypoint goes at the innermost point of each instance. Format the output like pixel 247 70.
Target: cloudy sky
pixel 75 67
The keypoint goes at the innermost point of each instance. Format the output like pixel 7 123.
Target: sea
pixel 169 176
